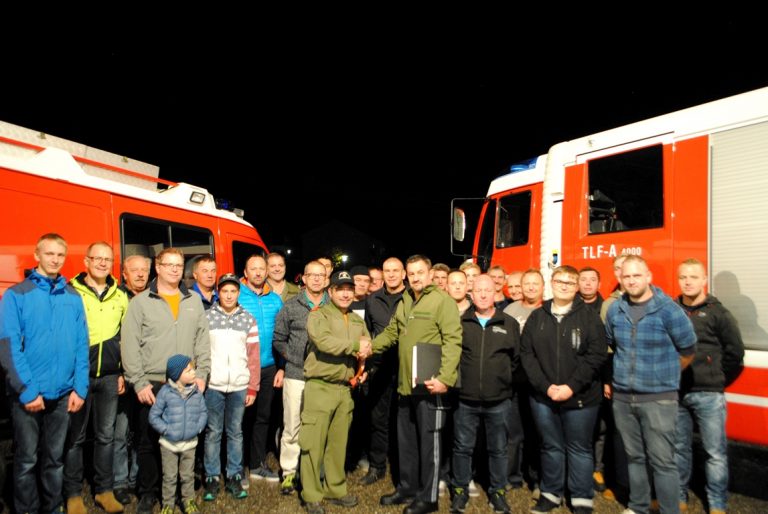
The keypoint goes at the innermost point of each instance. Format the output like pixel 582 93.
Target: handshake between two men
pixel 366 349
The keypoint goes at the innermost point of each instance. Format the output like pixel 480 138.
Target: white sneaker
pixel 474 491
pixel 442 488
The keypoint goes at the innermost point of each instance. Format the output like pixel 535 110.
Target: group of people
pixel 155 367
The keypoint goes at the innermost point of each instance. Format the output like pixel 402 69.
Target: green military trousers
pixel 325 421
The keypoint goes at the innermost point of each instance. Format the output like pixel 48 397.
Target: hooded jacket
pixel 104 314
pixel 179 413
pixel 43 339
pixel 719 347
pixel 569 352
pixel 234 350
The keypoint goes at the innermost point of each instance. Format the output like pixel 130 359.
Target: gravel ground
pixel 265 497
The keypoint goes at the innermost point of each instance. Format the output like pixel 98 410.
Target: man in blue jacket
pixel 258 298
pixel 44 354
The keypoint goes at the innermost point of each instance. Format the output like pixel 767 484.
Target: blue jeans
pixel 566 434
pixel 465 422
pixel 100 407
pixel 225 411
pixel 648 428
pixel 125 462
pixel 39 436
pixel 708 409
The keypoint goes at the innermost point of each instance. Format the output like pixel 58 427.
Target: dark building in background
pixel 337 239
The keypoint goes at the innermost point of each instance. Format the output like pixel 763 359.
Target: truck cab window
pixel 514 220
pixel 147 236
pixel 626 191
pixel 241 251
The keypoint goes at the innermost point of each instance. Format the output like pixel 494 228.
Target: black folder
pixel 425 365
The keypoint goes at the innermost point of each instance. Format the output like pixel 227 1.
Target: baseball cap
pixel 341 277
pixel 228 278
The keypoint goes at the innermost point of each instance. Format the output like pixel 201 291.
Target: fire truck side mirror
pixel 459 224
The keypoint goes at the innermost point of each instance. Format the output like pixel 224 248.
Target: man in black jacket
pixel 716 363
pixel 562 350
pixel 489 357
pixel 379 308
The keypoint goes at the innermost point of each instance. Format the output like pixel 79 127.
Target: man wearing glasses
pixel 562 350
pixel 164 320
pixel 105 307
pixel 290 340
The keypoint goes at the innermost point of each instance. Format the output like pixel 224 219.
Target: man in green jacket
pixel 425 315
pixel 336 336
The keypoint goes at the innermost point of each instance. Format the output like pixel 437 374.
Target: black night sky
pixel 294 120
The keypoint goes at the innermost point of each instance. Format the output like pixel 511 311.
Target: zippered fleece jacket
pixel 179 413
pixel 234 350
pixel 489 357
pixel 43 339
pixel 571 352
pixel 264 307
pixel 334 338
pixel 719 347
pixel 105 315
pixel 150 335
pixel 646 357
pixel 290 337
pixel 433 319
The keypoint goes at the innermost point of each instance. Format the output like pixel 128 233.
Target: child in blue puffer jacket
pixel 179 415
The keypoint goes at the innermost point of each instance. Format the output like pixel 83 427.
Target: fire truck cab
pixel 689 184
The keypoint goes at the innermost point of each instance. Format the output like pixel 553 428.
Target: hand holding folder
pixel 425 365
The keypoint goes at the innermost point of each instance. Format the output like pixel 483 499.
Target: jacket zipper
pixel 482 358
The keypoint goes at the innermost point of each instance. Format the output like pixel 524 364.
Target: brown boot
pixel 75 505
pixel 108 502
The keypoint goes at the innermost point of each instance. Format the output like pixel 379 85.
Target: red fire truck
pixel 684 185
pixel 48 184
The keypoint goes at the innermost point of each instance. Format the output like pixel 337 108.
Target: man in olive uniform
pixel 336 336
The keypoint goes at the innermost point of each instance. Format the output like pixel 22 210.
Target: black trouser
pixel 515 437
pixel 420 420
pixel 147 449
pixel 381 390
pixel 257 418
pixel 531 463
